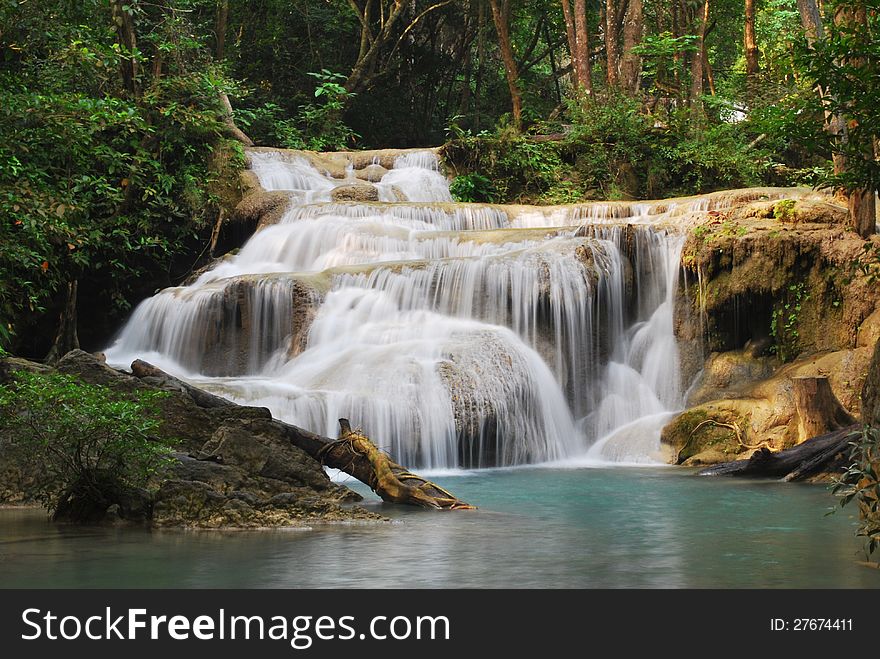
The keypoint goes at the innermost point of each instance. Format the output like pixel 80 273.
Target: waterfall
pixel 452 334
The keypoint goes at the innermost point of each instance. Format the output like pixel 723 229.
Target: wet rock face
pixel 234 467
pixel 729 373
pixel 262 208
pixel 871 391
pixel 357 193
pixel 769 294
pixel 241 324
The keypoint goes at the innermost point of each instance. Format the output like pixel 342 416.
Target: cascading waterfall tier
pixel 454 335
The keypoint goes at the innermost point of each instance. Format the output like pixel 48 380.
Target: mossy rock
pixel 700 430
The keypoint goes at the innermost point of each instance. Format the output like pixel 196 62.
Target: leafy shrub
pixel 86 443
pixel 317 126
pixel 860 483
pixel 472 187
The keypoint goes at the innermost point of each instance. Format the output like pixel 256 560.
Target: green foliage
pixel 516 167
pixel 98 184
pixel 317 126
pixel 845 64
pixel 613 149
pixel 662 56
pixel 860 483
pixel 472 187
pixel 868 262
pixel 784 322
pixel 784 210
pixel 83 440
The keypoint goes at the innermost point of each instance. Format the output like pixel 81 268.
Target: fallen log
pixel 826 452
pixel 352 453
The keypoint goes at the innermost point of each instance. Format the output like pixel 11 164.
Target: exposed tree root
pixel 352 453
pixel 385 478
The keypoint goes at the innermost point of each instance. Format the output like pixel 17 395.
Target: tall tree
pixel 633 30
pixel 851 17
pixel 750 43
pixel 577 35
pixel 582 37
pixel 697 68
pixel 380 23
pixel 612 48
pixel 501 17
pixel 123 19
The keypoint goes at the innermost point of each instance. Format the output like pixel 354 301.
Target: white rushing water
pixel 454 335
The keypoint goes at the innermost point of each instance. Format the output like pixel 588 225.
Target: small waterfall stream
pixel 454 335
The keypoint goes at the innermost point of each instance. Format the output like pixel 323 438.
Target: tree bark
pixel 501 17
pixel 66 338
pixel 750 44
pixel 612 48
pixel 862 205
pixel 352 452
pixel 697 71
pixel 233 130
pixel 811 19
pixel 571 38
pixel 817 407
pixel 127 38
pixel 582 40
pixel 863 212
pixel 633 29
pixel 220 24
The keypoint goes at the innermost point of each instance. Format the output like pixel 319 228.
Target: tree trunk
pixel 811 19
pixel 582 40
pixel 612 49
pixel 355 454
pixel 697 71
pixel 352 453
pixel 501 16
pixel 750 44
pixel 633 29
pixel 818 409
pixel 862 206
pixel 125 34
pixel 826 453
pixel 863 212
pixel 571 37
pixel 220 24
pixel 710 75
pixel 481 58
pixel 233 130
pixel 66 338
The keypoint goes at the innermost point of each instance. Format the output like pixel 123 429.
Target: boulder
pixel 262 208
pixel 359 193
pixel 234 465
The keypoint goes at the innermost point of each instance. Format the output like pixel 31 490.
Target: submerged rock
pixel 357 193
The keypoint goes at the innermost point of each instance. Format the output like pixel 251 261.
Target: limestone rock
pixel 249 474
pixel 871 391
pixel 359 193
pixel 263 208
pixel 371 173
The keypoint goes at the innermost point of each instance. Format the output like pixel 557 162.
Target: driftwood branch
pixel 820 454
pixel 352 453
